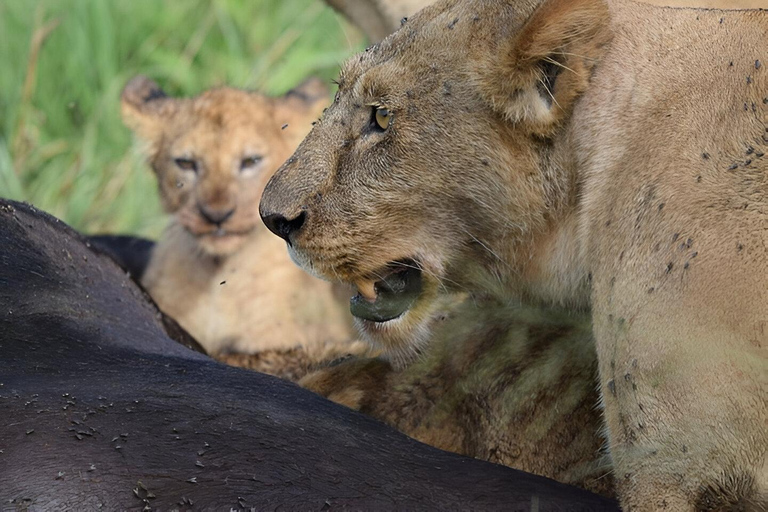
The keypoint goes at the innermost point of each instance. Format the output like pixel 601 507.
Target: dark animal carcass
pixel 100 409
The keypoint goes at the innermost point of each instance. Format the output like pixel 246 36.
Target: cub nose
pixel 282 226
pixel 215 215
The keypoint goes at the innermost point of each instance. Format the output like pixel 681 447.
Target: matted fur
pixel 586 153
pixel 238 293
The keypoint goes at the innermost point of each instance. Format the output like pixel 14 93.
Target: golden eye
pixel 186 164
pixel 383 117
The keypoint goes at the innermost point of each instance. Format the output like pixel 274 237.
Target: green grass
pixel 62 144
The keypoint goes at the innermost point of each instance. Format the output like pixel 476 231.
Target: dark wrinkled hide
pixel 99 408
pixel 131 253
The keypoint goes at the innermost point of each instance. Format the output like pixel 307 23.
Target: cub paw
pixel 353 383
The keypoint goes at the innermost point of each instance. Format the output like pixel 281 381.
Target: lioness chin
pixel 579 152
pixel 216 269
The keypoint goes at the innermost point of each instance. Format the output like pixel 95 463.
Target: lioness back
pixel 379 18
pixel 215 269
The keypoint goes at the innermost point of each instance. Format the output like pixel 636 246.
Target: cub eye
pixel 382 116
pixel 250 161
pixel 185 164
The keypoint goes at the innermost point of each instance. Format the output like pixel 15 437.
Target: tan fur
pixel 585 153
pixel 512 385
pixel 379 18
pixel 294 363
pixel 234 293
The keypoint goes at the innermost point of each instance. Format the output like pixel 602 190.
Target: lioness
pixel 597 153
pixel 216 269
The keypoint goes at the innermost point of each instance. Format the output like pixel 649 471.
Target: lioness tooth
pixel 366 289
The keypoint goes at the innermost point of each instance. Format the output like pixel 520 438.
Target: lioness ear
pixel 143 105
pixel 539 73
pixel 302 105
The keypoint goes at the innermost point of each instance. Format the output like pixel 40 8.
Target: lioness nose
pixel 215 216
pixel 283 227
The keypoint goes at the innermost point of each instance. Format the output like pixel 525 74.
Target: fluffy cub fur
pixel 216 269
pixel 509 384
pixel 589 153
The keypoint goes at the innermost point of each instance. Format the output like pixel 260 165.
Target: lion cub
pixel 513 385
pixel 216 268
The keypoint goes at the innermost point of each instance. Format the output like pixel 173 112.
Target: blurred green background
pixel 63 64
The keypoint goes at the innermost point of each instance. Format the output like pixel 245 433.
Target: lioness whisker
pixel 558 64
pixel 438 278
pixel 570 54
pixel 544 85
pixel 484 246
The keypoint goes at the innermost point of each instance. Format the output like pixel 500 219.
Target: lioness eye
pixel 383 117
pixel 249 162
pixel 186 164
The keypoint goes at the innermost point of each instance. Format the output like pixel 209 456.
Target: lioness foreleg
pixel 685 408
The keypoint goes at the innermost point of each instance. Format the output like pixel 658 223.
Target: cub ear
pixel 143 105
pixel 538 74
pixel 301 105
pixel 312 94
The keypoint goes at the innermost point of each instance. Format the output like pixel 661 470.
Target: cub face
pixel 415 182
pixel 214 153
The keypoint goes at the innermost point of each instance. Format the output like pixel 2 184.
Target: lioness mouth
pixel 389 297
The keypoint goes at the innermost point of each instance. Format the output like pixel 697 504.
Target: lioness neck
pixel 610 159
pixel 548 264
pixel 555 273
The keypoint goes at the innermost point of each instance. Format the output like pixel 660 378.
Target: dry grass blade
pixel 21 145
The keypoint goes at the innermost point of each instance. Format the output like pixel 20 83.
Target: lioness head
pixel 432 170
pixel 214 153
